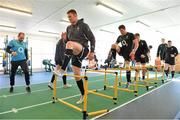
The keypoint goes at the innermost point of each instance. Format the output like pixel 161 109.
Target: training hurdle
pixel 115 87
pixel 147 81
pixel 135 85
pixel 84 109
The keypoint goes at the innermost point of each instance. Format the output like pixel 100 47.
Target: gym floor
pixel 38 104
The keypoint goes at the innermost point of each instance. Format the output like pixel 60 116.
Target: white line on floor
pixel 22 93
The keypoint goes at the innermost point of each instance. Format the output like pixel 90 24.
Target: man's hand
pixel 142 56
pixel 13 53
pixel 91 55
pixel 63 35
pixel 132 53
pixel 172 55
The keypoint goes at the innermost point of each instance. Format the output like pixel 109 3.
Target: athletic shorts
pixel 139 59
pixel 170 61
pixel 77 59
pixel 59 63
pixel 125 54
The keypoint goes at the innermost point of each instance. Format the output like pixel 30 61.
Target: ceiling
pixel 161 15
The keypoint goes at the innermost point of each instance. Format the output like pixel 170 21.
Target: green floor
pixel 38 104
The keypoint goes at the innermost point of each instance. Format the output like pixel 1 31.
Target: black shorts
pixel 170 61
pixel 59 63
pixel 141 60
pixel 125 54
pixel 77 59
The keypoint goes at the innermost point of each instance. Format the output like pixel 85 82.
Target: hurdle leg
pixel 156 78
pixel 85 98
pixel 105 80
pixel 163 77
pixel 147 81
pixel 54 89
pixel 136 83
pixel 115 89
pixel 120 78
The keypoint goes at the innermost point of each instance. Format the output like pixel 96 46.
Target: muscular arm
pixel 8 49
pixel 136 44
pixel 175 51
pixel 88 33
pixel 146 50
pixel 26 53
pixel 158 51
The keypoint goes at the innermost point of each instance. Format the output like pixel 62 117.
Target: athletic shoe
pixel 113 61
pixel 11 90
pixel 67 86
pixel 28 89
pixel 50 85
pixel 59 72
pixel 81 100
pixel 128 84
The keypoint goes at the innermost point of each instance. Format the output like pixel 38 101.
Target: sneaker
pixel 127 85
pixel 113 61
pixel 58 72
pixel 67 86
pixel 50 85
pixel 81 100
pixel 11 89
pixel 28 89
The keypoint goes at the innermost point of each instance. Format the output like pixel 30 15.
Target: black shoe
pixel 51 88
pixel 11 89
pixel 28 89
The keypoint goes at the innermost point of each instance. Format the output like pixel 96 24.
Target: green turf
pixel 58 111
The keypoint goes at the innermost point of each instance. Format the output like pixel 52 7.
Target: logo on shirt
pixel 21 50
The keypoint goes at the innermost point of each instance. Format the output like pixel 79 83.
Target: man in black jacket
pixel 78 36
pixel 59 59
pixel 161 50
pixel 170 53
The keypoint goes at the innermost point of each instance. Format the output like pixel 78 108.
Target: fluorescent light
pixel 64 22
pixel 6 27
pixel 106 31
pixel 159 31
pixel 50 33
pixel 109 9
pixel 142 23
pixel 15 11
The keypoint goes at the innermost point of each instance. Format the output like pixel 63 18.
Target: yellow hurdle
pixel 115 87
pixel 85 104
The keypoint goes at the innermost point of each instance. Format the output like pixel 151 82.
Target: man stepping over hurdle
pixel 127 49
pixel 170 53
pixel 78 35
pixel 141 54
pixel 59 58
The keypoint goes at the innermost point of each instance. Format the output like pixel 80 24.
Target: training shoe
pixel 59 72
pixel 127 85
pixel 67 86
pixel 81 100
pixel 50 85
pixel 113 61
pixel 28 89
pixel 11 90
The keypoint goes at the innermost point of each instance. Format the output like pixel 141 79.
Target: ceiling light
pixel 7 27
pixel 15 11
pixel 109 9
pixel 64 22
pixel 159 32
pixel 49 33
pixel 142 23
pixel 106 31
